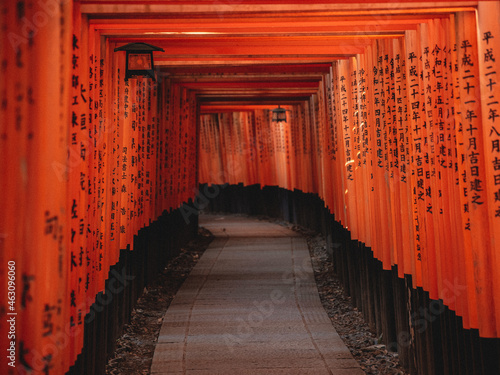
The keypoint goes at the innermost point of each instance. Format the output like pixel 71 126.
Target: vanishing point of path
pixel 250 306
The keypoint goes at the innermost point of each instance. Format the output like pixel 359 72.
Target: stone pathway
pixel 250 306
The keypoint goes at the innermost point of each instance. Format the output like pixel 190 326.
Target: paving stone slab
pixel 250 306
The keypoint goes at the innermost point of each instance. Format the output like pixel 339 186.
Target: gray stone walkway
pixel 250 306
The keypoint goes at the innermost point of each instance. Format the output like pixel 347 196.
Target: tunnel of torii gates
pixel 393 121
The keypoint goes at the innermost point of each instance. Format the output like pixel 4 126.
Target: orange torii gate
pixel 394 124
pixel 413 144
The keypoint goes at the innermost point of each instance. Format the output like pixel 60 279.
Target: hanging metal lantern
pixel 279 114
pixel 139 61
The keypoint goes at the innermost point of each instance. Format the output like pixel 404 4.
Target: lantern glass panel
pixel 139 61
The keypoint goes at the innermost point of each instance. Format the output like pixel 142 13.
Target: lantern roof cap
pixel 139 47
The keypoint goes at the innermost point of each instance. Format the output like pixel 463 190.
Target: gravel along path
pixel 350 324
